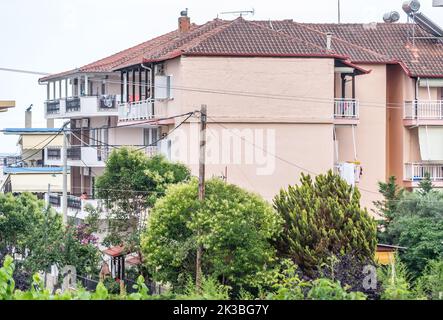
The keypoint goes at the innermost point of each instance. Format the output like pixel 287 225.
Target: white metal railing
pixel 423 109
pixel 418 171
pixel 346 108
pixel 138 110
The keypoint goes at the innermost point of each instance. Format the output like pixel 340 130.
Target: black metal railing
pixel 55 200
pixel 73 104
pixel 53 107
pixel 74 153
pixel 54 153
pixel 74 202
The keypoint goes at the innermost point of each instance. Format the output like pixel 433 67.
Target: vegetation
pixel 323 218
pixel 130 184
pixel 233 226
pixel 34 234
pixel 416 223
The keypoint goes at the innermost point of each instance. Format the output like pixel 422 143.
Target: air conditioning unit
pixel 85 123
pixel 86 171
pixel 159 69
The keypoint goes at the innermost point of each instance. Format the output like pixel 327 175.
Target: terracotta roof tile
pixel 392 40
pixel 362 43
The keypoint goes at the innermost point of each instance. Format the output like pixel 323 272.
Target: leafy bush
pixel 233 226
pixel 395 282
pixel 211 289
pixel 327 289
pixel 430 284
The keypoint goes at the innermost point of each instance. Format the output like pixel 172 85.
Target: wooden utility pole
pixel 201 191
pixel 65 177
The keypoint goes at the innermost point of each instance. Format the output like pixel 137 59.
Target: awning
pixel 432 83
pixel 431 143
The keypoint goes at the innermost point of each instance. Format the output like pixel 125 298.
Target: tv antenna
pixel 240 13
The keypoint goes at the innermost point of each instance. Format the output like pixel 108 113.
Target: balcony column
pixel 353 94
pixel 79 86
pixel 343 86
pixel 54 89
pixel 86 85
pixel 140 84
pixel 48 91
pixel 66 88
pixel 133 85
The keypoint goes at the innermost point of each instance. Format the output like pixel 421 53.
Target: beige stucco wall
pixel 36 141
pixel 284 106
pixel 370 133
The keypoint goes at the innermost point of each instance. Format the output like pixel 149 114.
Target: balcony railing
pixel 139 110
pixel 423 110
pixel 84 105
pixel 346 109
pixel 418 171
pixel 53 107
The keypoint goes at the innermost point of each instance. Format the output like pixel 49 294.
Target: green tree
pixel 323 218
pixel 233 226
pixel 386 208
pixel 29 228
pixel 418 226
pixel 425 186
pixel 130 184
pixel 430 284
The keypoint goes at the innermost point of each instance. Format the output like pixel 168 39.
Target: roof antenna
pixel 240 13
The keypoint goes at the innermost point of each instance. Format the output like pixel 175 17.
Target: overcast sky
pixel 57 35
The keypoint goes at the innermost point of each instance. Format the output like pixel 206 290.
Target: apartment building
pixel 282 98
pixel 28 172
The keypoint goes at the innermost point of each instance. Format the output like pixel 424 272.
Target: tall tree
pixel 386 208
pixel 323 218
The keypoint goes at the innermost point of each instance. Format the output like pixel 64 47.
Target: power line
pixel 240 93
pixel 280 158
pixel 25 71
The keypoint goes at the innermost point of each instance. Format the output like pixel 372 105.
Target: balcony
pixel 346 111
pixel 77 156
pixel 416 172
pixel 76 206
pixel 86 106
pixel 139 111
pixel 423 112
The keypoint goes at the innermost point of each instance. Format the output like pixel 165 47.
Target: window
pixel 150 136
pixel 163 87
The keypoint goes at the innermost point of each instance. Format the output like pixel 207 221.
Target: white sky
pixel 57 35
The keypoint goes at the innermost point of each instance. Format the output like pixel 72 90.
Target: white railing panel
pixel 346 108
pixel 418 171
pixel 423 110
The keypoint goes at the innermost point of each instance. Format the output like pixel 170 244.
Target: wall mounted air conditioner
pixel 159 69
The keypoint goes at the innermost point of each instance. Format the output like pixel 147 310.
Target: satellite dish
pixel 391 17
pixel 411 6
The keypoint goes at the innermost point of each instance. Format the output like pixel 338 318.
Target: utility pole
pixel 339 12
pixel 65 177
pixel 201 191
pixel 48 207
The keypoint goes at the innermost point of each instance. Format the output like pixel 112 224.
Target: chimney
pixel 329 41
pixel 28 117
pixel 184 22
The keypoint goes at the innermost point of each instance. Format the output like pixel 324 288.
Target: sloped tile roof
pixel 359 43
pixel 424 59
